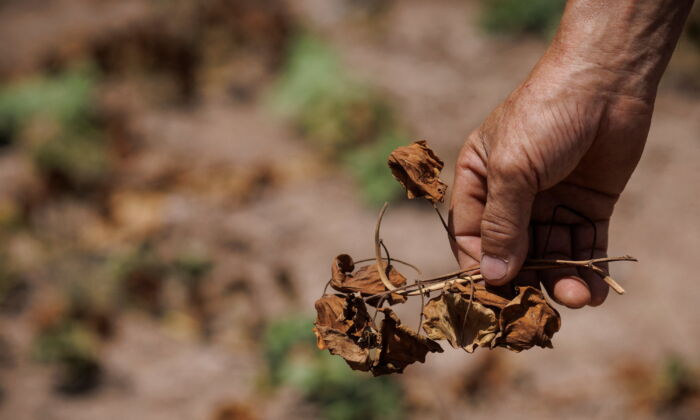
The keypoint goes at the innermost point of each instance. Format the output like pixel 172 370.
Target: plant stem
pixel 446 280
pixel 451 235
pixel 378 251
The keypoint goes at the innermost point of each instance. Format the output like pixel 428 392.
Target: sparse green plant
pixel 65 98
pixel 329 107
pixel 55 118
pixel 141 277
pixel 517 17
pixel 71 348
pixel 192 267
pixel 679 384
pixel 342 117
pixel 368 165
pixel 71 344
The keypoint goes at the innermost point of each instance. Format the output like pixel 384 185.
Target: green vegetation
pixel 65 98
pixel 368 165
pixel 69 339
pixel 54 118
pixel 192 267
pixel 679 383
pixel 140 278
pixel 340 116
pixel 516 17
pixel 325 380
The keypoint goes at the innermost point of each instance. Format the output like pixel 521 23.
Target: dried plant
pixel 465 313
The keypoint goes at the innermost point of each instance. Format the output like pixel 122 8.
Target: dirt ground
pixel 189 185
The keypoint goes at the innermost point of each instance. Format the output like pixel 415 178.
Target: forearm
pixel 616 46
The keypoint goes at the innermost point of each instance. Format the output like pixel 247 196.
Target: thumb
pixel 506 218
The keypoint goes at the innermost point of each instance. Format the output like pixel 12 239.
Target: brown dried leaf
pixel 417 168
pixel 528 320
pixel 330 312
pixel 483 296
pixel 343 313
pixel 342 266
pixel 344 327
pixel 401 346
pixel 356 356
pixel 365 280
pixel 450 317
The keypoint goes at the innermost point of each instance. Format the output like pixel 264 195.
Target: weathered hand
pixel 549 144
pixel 570 135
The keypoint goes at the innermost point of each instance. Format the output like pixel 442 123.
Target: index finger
pixel 467 204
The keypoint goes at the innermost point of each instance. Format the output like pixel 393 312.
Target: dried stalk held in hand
pixel 465 313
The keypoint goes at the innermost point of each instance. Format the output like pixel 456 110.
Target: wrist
pixel 620 47
pixel 594 75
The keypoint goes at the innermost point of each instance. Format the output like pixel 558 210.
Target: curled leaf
pixel 365 280
pixel 401 346
pixel 417 168
pixel 483 296
pixel 344 327
pixel 528 320
pixel 342 266
pixel 451 317
pixel 342 313
pixel 355 355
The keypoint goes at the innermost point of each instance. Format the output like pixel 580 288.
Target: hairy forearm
pixel 618 46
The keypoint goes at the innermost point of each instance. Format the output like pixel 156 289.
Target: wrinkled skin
pixel 571 134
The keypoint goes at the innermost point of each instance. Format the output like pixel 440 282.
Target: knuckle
pixel 474 137
pixel 471 156
pixel 514 167
pixel 507 163
pixel 465 160
pixel 497 228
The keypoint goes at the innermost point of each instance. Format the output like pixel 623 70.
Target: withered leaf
pixel 341 267
pixel 417 168
pixel 355 355
pixel 340 312
pixel 483 296
pixel 401 346
pixel 528 320
pixel 450 317
pixel 365 280
pixel 344 327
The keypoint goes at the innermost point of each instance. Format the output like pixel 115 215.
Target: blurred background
pixel 176 176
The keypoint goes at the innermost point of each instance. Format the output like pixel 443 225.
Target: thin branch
pixel 422 306
pixel 386 251
pixel 447 280
pixel 466 313
pixel 582 263
pixel 376 308
pixel 378 251
pixel 407 264
pixel 451 275
pixel 614 285
pixel 451 235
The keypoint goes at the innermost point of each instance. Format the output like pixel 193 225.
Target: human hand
pixel 548 144
pixel 570 135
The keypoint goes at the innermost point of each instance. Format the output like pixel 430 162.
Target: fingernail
pixel 493 268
